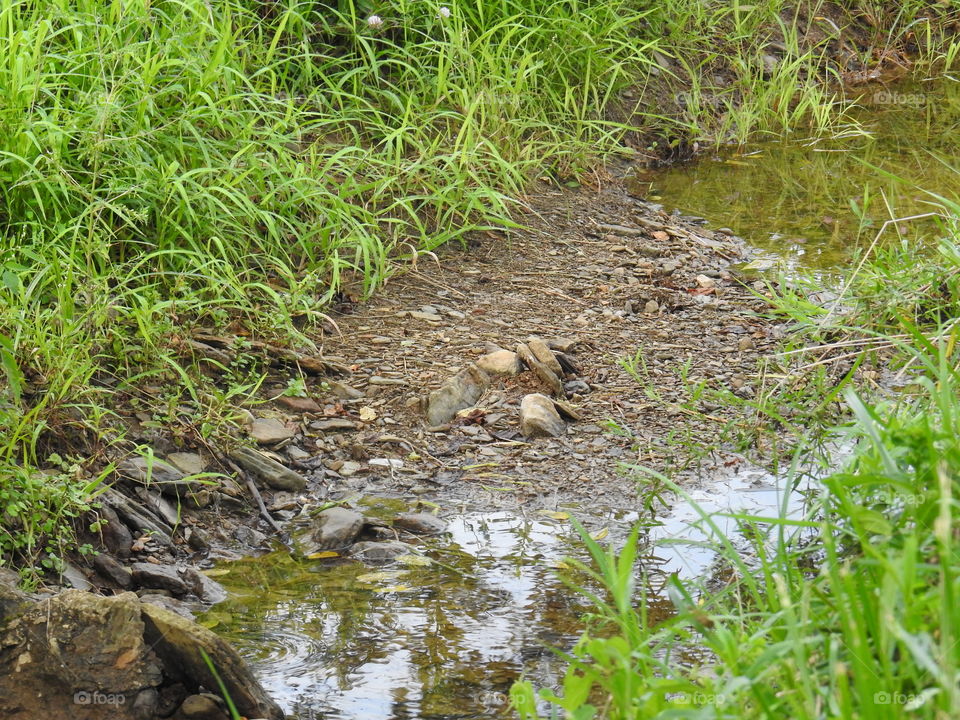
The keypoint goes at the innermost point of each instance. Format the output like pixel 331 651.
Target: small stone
pixel 189 463
pixel 576 387
pixel 109 569
pixel 250 536
pixel 333 425
pixel 420 315
pixel 296 453
pixel 159 577
pixel 75 577
pixel 545 355
pixel 461 391
pixel 539 417
pixel 150 471
pixel 268 431
pixel 349 468
pixel 299 404
pixel 385 381
pixel 547 375
pixel 563 345
pixel 391 463
pixel 344 391
pixel 420 523
pixel 200 707
pixel 500 362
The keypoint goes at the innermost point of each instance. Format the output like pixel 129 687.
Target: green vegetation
pixel 848 607
pixel 236 164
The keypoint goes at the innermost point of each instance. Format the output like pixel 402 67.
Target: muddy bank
pixel 523 370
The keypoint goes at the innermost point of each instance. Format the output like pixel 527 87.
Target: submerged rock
pixel 420 523
pixel 378 552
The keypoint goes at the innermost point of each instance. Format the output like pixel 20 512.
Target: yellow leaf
pixel 216 572
pixel 600 534
pixel 411 560
pixel 368 414
pixel 556 515
pixel 323 555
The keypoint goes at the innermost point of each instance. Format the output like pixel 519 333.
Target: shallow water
pixel 813 204
pixel 448 637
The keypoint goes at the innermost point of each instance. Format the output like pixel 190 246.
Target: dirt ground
pixel 596 267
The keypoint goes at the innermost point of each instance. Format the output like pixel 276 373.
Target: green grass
pixel 236 165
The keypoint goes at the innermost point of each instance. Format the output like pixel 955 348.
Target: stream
pixel 446 636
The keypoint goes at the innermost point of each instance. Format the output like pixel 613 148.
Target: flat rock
pixel 463 390
pixel 109 569
pixel 344 391
pixel 545 355
pixel 268 431
pixel 539 417
pixel 500 362
pixel 200 707
pixel 333 424
pixel 268 470
pixel 378 552
pixel 159 577
pixel 334 528
pixel 420 523
pixel 299 404
pixel 155 472
pixel 350 467
pixel 187 462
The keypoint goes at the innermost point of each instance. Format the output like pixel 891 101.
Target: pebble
pixel 500 362
pixel 268 431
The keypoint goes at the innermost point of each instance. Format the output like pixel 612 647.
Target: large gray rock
pixel 461 391
pixel 76 655
pixel 539 417
pixel 80 656
pixel 268 470
pixel 159 577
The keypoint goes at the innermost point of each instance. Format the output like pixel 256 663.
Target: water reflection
pixel 814 203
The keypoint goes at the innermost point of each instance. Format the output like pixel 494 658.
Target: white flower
pixel 444 11
pixel 374 21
